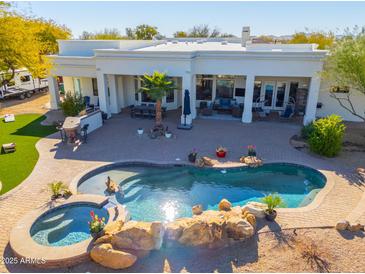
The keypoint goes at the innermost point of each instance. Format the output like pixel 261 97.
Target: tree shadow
pixel 35 129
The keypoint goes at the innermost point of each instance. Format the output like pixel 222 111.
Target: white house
pixel 250 74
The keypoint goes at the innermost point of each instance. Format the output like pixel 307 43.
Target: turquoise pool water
pixel 166 193
pixel 66 225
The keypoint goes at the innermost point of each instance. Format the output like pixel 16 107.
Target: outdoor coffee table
pixel 70 126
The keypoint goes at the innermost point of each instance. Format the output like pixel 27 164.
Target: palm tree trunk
pixel 158 113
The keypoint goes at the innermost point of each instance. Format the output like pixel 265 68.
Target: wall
pixel 86 87
pixel 331 106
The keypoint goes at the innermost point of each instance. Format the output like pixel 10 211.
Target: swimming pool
pixel 165 193
pixel 65 225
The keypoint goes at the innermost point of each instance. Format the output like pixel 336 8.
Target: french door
pixel 275 94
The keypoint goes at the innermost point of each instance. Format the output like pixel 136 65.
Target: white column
pixel 103 93
pixel 53 92
pixel 247 108
pixel 312 99
pixel 114 106
pixel 188 83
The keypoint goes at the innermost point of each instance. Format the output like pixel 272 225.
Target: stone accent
pixel 342 225
pixel 139 236
pixel 251 161
pixel 113 227
pixel 111 186
pixel 197 209
pixel 355 227
pixel 107 256
pixel 225 205
pixel 256 208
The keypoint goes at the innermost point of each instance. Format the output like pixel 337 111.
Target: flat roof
pixel 194 46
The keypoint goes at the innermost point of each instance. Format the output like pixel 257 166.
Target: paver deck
pixel 117 140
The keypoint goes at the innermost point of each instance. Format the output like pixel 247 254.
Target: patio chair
pixel 132 111
pixel 83 133
pixel 259 107
pixel 204 109
pixel 62 133
pixel 289 109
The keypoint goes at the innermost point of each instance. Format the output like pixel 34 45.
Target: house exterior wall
pixel 331 106
pixel 122 60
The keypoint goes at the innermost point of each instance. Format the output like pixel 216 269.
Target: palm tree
pixel 157 86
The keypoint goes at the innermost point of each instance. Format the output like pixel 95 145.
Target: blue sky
pixel 277 18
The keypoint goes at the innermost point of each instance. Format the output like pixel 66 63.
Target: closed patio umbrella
pixel 186 110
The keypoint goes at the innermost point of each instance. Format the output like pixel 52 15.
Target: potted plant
pixel 192 156
pixel 168 134
pixel 221 152
pixel 140 131
pixel 251 149
pixel 272 201
pixel 96 225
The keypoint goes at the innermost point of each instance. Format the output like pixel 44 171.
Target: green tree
pixel 345 67
pixel 324 39
pixel 142 32
pixel 180 34
pixel 106 34
pixel 157 86
pixel 24 41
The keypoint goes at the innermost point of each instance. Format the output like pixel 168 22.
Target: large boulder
pixel 342 225
pixel 225 205
pixel 354 227
pixel 239 229
pixel 139 236
pixel 196 233
pixel 174 229
pixel 111 186
pixel 197 209
pixel 256 208
pixel 113 227
pixel 107 256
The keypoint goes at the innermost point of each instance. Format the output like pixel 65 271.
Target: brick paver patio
pixel 117 141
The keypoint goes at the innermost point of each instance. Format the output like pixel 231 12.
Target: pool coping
pixel 29 251
pixel 329 184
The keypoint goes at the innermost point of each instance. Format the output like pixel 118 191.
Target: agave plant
pixel 272 201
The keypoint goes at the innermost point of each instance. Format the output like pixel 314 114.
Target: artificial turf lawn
pixel 24 132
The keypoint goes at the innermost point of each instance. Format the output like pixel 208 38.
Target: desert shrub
pixel 307 130
pixel 327 136
pixel 72 104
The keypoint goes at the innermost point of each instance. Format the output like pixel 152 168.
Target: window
pixel 136 87
pixel 204 88
pixel 170 97
pixel 77 85
pixel 95 86
pixel 256 91
pixel 225 88
pixel 340 89
pixel 25 78
pixel 280 94
pixel 293 89
pixel 240 92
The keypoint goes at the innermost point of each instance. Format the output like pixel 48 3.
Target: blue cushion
pixel 225 102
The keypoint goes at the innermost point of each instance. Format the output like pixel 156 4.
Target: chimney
pixel 245 36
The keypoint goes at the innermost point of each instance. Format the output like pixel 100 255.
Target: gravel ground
pixel 36 104
pixel 304 250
